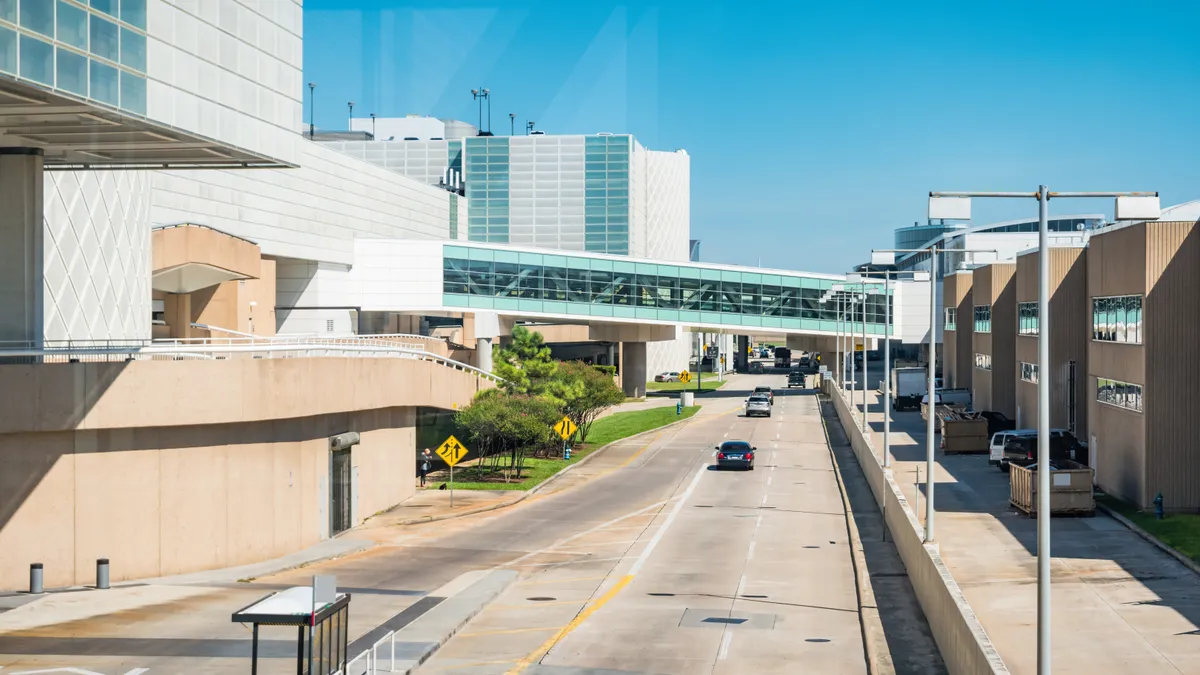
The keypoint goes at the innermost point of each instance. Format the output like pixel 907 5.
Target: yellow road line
pixel 565 630
pixel 506 632
pixel 556 581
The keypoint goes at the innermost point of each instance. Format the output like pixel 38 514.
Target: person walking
pixel 423 467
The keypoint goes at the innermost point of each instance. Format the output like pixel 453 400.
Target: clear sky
pixel 819 125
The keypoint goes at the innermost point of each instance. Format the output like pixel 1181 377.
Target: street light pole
pixel 312 90
pixel 931 387
pixel 864 357
pixel 887 372
pixel 372 126
pixel 512 124
pixel 350 124
pixel 1129 206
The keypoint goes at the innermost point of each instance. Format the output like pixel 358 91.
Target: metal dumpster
pixel 1070 489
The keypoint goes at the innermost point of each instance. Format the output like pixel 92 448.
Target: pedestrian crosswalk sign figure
pixel 452 451
pixel 685 377
pixel 565 428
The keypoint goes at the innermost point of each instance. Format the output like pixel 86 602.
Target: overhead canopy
pixel 187 258
pixel 75 133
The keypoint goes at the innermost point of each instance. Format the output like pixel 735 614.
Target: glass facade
pixel 95 50
pixel 1117 319
pixel 1119 394
pixel 1027 318
pixel 486 176
pixel 1029 372
pixel 606 196
pixel 951 318
pixel 983 318
pixel 919 235
pixel 564 284
pixel 983 361
pixel 453 215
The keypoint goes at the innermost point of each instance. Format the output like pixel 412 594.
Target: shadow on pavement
pixel 909 640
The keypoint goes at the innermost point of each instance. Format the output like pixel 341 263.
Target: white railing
pixel 156 351
pixel 259 340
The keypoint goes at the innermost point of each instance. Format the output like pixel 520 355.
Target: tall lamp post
pixel 529 127
pixel 1129 206
pixel 479 95
pixel 350 124
pixel 372 126
pixel 312 90
pixel 512 124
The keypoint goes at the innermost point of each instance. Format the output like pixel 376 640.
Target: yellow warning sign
pixel 685 376
pixel 565 428
pixel 452 451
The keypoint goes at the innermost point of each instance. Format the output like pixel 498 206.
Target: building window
pixel 983 361
pixel 1027 318
pixel 1119 394
pixel 1029 372
pixel 983 318
pixel 1117 319
pixel 951 318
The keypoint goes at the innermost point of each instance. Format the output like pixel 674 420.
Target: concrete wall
pixel 133 462
pixel 1070 333
pixel 958 351
pixel 964 645
pixel 1116 263
pixel 996 389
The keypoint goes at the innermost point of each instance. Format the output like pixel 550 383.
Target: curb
pixel 879 662
pixel 1187 562
pixel 540 486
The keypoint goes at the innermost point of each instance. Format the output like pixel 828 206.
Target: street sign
pixel 565 428
pixel 685 377
pixel 858 346
pixel 452 451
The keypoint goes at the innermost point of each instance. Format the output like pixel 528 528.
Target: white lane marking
pixel 741 585
pixel 750 553
pixel 764 499
pixel 758 522
pixel 769 479
pixel 641 560
pixel 723 653
pixel 726 435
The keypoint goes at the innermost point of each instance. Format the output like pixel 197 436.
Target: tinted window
pixel 736 446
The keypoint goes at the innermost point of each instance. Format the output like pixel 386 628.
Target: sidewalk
pixel 1119 604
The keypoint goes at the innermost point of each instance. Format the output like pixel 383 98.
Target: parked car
pixel 1022 450
pixel 758 404
pixel 735 454
pixel 667 377
pixel 997 422
pixel 1000 439
pixel 795 379
pixel 764 389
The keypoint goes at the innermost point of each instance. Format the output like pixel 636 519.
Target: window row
pixel 1120 394
pixel 983 319
pixel 983 361
pixel 70 71
pixel 74 26
pixel 1029 372
pixel 951 318
pixel 1117 319
pixel 1027 318
pixel 515 280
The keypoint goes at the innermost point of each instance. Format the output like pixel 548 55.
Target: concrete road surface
pixel 643 560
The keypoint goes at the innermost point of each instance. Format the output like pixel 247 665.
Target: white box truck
pixel 908 387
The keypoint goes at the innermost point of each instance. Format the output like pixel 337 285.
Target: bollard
pixel 102 573
pixel 35 578
pixel 1158 506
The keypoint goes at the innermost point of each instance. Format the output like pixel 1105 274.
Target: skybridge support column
pixel 741 357
pixel 22 247
pixel 633 369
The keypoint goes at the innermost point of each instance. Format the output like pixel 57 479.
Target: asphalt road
pixel 643 560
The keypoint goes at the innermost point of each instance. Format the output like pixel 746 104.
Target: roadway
pixel 643 560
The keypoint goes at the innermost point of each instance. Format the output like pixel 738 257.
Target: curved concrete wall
pixel 174 467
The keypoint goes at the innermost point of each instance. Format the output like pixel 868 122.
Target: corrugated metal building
pixel 1143 362
pixel 1070 333
pixel 958 355
pixel 994 318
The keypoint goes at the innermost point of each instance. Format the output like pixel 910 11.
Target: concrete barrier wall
pixel 964 645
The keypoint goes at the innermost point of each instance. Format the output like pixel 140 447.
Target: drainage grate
pixel 541 598
pixel 812 547
pixel 816 640
pixel 661 595
pixel 755 597
pixel 721 619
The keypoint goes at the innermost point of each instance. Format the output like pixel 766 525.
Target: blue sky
pixel 822 125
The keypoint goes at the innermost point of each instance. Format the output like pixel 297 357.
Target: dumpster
pixel 1070 489
pixel 961 435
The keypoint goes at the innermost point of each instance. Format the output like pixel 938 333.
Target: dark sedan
pixel 735 455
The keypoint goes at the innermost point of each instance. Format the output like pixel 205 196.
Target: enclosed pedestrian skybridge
pixel 583 287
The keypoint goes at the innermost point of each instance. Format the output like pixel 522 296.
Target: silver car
pixel 758 405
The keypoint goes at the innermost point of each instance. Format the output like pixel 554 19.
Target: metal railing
pixel 220 349
pixel 369 662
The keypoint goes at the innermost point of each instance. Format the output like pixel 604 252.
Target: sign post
pixel 566 429
pixel 452 452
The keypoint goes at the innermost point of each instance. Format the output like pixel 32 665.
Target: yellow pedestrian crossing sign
pixel 452 451
pixel 685 377
pixel 565 428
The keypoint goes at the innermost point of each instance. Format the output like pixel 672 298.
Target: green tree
pixel 511 426
pixel 585 392
pixel 524 363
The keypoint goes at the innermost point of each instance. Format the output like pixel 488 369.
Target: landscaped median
pixel 1180 531
pixel 705 385
pixel 468 476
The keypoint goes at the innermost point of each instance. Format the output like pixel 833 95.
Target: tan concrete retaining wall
pixel 964 645
pixel 174 467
